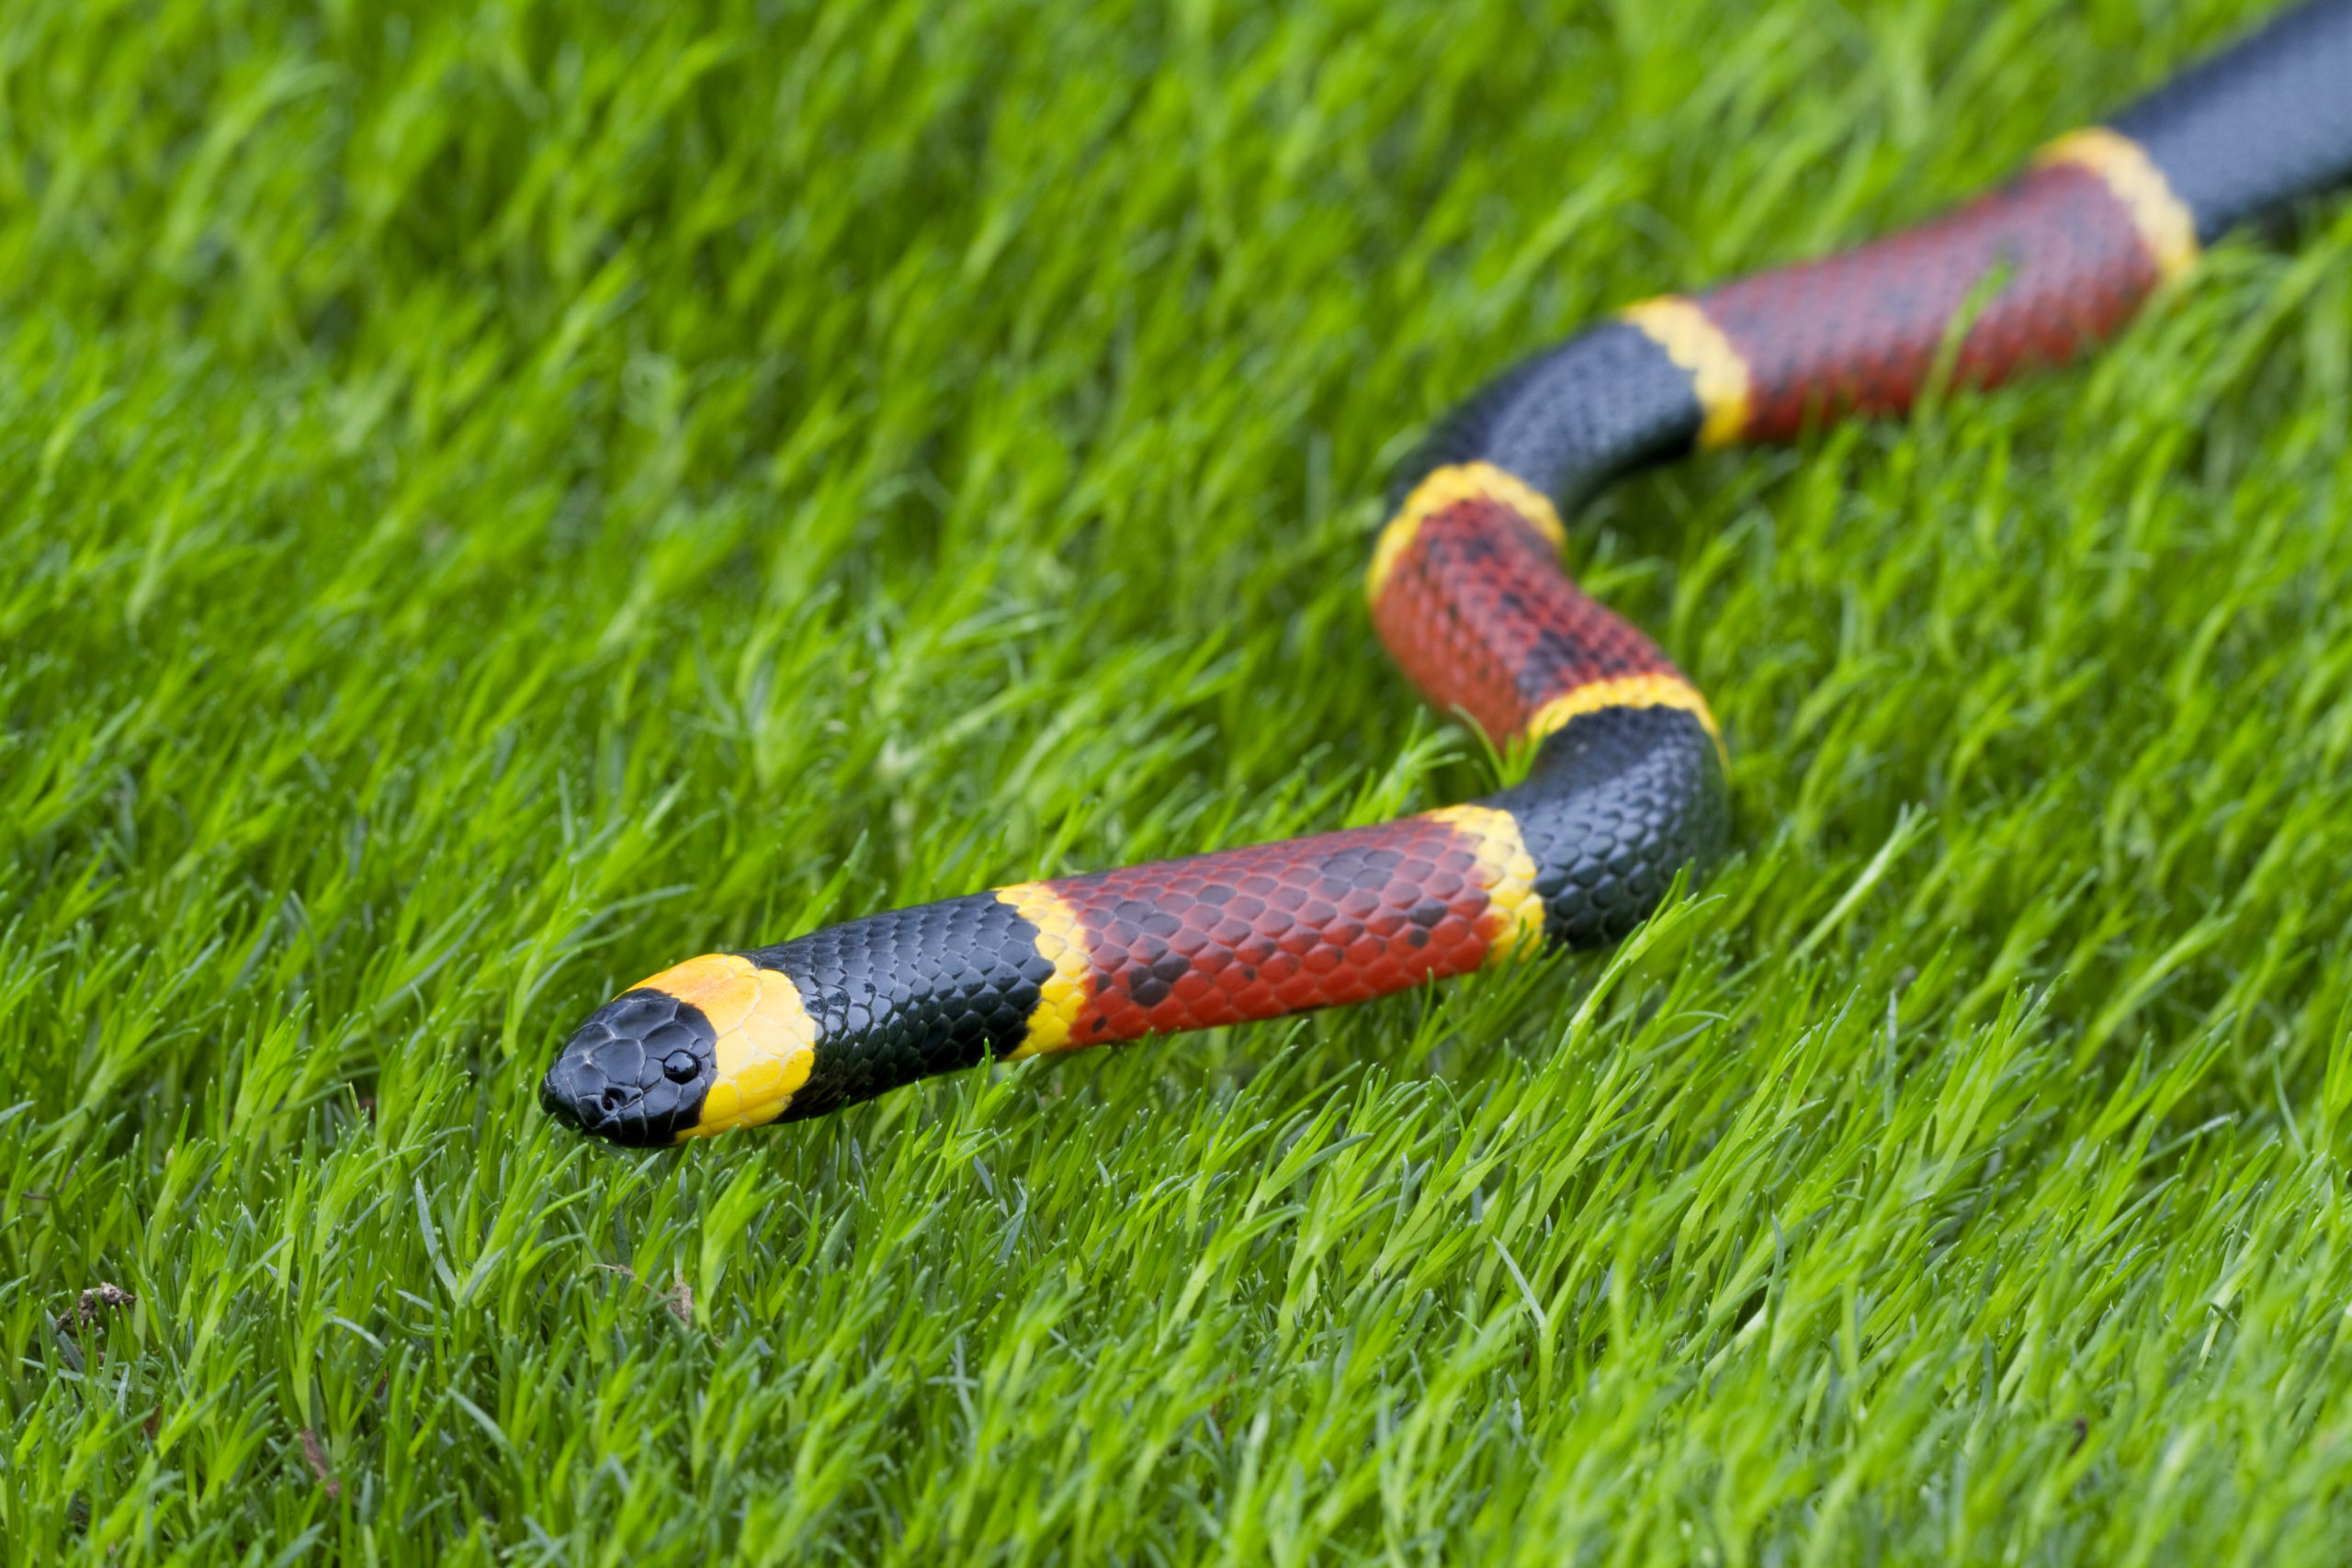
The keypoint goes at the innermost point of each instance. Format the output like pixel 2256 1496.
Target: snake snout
pixel 636 1073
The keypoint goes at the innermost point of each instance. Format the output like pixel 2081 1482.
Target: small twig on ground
pixel 679 1298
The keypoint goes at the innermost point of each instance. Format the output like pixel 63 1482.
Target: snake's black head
pixel 637 1072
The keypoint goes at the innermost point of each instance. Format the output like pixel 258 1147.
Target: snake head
pixel 712 1044
pixel 636 1073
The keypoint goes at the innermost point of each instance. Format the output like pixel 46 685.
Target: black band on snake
pixel 1627 786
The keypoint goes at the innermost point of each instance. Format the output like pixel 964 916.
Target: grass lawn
pixel 497 498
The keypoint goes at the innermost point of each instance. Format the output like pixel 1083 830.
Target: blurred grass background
pixel 496 498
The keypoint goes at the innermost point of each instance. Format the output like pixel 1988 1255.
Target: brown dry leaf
pixel 93 1304
pixel 313 1450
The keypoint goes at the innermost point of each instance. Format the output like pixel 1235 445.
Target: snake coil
pixel 1627 784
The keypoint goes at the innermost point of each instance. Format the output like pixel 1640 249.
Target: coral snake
pixel 1627 781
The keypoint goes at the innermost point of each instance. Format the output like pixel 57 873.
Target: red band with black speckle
pixel 1273 929
pixel 2054 263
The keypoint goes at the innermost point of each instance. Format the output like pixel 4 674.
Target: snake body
pixel 1626 787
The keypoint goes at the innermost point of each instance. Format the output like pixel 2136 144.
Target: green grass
pixel 498 498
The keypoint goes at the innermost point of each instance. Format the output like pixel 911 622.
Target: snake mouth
pixel 637 1072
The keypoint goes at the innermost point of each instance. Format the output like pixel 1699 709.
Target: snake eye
pixel 680 1065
